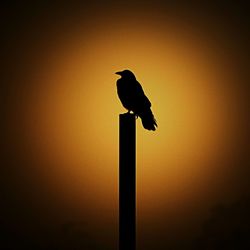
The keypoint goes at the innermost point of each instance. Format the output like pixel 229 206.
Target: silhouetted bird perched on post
pixel 133 98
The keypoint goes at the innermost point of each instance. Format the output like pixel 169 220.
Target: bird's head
pixel 126 74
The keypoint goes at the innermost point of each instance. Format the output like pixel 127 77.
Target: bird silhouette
pixel 133 98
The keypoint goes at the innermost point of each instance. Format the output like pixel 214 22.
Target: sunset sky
pixel 61 110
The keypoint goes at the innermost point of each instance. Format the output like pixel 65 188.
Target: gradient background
pixel 59 174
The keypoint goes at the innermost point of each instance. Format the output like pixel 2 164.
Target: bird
pixel 132 97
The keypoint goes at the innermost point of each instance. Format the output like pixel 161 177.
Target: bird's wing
pixel 141 97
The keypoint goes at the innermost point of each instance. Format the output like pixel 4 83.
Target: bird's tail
pixel 148 120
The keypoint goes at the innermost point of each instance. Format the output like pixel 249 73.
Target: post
pixel 127 183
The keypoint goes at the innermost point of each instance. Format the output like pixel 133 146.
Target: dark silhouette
pixel 127 182
pixel 133 98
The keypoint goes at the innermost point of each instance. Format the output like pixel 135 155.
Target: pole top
pixel 128 115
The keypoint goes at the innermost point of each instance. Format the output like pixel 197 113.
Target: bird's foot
pixel 131 112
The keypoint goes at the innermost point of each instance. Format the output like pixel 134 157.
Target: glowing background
pixel 70 118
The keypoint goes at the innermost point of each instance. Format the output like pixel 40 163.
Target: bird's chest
pixel 125 93
pixel 124 89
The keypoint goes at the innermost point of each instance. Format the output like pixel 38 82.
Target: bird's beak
pixel 118 73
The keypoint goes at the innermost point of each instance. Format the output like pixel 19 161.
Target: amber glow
pixel 72 115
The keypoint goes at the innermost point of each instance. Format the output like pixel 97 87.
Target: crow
pixel 133 98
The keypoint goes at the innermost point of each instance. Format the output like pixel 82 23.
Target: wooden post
pixel 127 182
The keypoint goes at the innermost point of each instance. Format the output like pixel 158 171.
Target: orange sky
pixel 73 114
pixel 70 116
